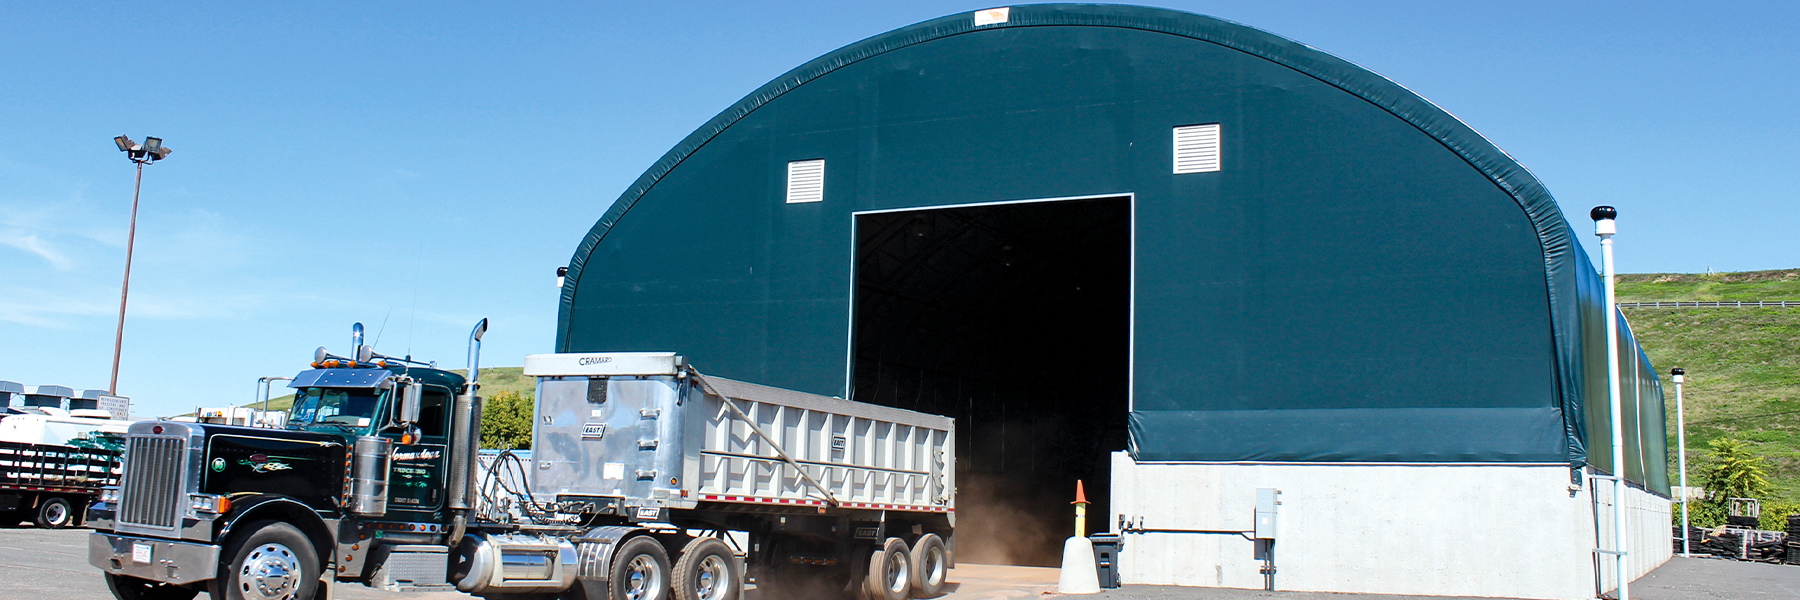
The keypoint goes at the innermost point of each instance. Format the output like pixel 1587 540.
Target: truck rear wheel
pixel 125 587
pixel 890 571
pixel 930 566
pixel 55 513
pixel 640 571
pixel 707 570
pixel 271 560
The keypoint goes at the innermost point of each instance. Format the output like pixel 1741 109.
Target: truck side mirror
pixel 409 402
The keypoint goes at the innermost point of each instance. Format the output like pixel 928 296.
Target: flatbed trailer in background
pixel 52 485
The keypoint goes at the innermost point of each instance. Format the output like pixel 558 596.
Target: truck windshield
pixel 347 408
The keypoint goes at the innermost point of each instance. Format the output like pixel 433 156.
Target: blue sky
pixel 419 166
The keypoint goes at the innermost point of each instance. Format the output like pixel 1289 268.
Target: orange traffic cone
pixel 1079 574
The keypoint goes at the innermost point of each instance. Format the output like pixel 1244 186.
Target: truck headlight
pixel 109 495
pixel 209 503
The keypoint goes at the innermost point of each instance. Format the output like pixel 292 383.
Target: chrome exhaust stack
pixel 465 429
pixel 356 342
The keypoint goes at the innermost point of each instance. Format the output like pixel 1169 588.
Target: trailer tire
pixel 640 571
pixel 890 571
pixel 272 559
pixel 125 587
pixel 55 513
pixel 931 566
pixel 707 570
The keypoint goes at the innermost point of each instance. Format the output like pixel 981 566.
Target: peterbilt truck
pixel 646 480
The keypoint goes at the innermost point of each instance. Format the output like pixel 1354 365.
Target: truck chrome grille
pixel 152 494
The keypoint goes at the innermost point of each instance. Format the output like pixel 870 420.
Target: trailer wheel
pixel 930 566
pixel 55 513
pixel 640 571
pixel 125 587
pixel 707 570
pixel 270 561
pixel 890 571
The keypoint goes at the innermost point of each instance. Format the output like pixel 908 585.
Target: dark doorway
pixel 1015 320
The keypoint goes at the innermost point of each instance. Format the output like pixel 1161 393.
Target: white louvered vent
pixel 1197 149
pixel 806 181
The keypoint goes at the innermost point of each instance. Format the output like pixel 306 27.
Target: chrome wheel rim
pixel 56 514
pixel 713 580
pixel 934 566
pixel 644 578
pixel 270 572
pixel 895 577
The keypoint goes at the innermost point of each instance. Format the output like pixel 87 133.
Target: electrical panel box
pixel 1267 499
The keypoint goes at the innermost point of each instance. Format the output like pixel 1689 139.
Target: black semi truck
pixel 647 480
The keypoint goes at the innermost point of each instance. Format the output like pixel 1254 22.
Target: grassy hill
pixel 1743 375
pixel 494 380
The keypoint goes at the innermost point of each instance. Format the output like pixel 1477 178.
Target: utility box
pixel 1266 501
pixel 1106 558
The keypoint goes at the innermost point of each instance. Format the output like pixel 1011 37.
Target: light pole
pixel 1605 228
pixel 1679 376
pixel 148 152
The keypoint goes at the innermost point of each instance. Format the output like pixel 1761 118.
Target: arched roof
pixel 1483 155
pixel 1568 281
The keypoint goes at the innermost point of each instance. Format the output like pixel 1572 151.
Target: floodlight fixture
pixel 125 143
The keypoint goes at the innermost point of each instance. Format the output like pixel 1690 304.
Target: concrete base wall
pixel 1452 530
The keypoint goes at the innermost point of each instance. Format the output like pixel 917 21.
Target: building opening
pixel 1014 319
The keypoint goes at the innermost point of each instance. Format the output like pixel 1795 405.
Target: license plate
pixel 647 512
pixel 140 553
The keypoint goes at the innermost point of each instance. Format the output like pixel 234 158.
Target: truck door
pixel 416 476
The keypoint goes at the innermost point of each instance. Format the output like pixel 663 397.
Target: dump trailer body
pixel 642 434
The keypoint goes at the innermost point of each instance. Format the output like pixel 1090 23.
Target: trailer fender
pixel 595 548
pixel 249 508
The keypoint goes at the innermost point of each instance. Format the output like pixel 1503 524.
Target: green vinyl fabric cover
pixel 1365 278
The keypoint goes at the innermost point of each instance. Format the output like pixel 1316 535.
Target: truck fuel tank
pixel 514 563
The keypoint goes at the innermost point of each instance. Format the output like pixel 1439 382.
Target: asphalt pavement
pixel 40 564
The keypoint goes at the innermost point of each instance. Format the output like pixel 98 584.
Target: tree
pixel 506 421
pixel 1731 471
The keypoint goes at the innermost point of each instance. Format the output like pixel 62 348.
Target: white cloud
pixel 30 242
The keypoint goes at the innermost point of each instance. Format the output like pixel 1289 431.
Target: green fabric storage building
pixel 1087 228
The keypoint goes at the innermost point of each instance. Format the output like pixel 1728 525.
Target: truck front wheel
pixel 125 587
pixel 270 561
pixel 640 571
pixel 707 570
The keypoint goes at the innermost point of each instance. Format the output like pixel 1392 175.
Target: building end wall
pixel 1456 530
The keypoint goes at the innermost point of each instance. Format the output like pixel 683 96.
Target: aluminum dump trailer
pixel 829 493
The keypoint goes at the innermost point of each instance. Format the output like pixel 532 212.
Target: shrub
pixel 506 421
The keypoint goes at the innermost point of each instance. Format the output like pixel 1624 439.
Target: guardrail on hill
pixel 1725 304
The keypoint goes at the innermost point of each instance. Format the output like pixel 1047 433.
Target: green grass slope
pixel 1743 375
pixel 494 380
